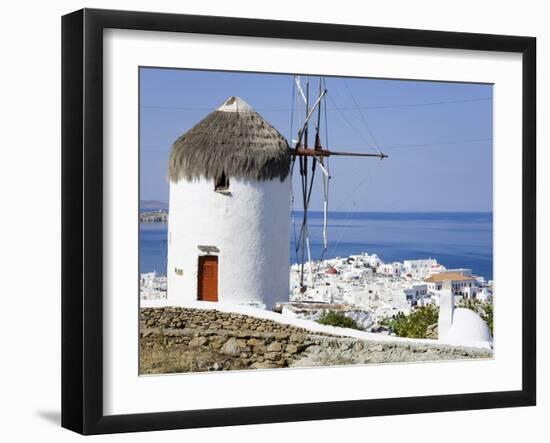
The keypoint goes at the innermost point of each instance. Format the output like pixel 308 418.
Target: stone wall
pixel 188 340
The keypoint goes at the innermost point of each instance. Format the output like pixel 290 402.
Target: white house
pixel 228 225
pixel 374 260
pixel 419 268
pixel 394 268
pixel 152 286
pixel 416 292
pixel 461 284
pixel 484 294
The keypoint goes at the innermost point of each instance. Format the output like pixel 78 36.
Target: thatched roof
pixel 234 140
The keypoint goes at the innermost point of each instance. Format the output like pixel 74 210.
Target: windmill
pixel 318 155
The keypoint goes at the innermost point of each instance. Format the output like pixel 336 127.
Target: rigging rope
pixel 326 183
pixel 350 125
pixel 354 203
pixel 362 116
pixel 303 242
pixel 303 173
pixel 293 160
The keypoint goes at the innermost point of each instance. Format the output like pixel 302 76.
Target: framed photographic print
pixel 270 221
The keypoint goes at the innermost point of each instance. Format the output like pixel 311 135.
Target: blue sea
pixel 455 239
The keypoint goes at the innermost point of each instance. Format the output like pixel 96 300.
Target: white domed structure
pixel 460 326
pixel 228 225
pixel 467 327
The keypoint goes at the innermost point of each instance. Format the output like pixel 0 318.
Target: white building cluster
pixel 152 286
pixel 383 289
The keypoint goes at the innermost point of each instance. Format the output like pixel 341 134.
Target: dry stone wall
pixel 188 340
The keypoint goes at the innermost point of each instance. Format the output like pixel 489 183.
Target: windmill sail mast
pixel 318 154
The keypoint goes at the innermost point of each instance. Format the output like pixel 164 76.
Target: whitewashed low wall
pixel 302 323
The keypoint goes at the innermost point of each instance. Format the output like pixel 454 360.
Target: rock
pixel 231 347
pixel 275 347
pixel 262 365
pixel 345 345
pixel 260 349
pixel 378 348
pixel 291 349
pixel 241 344
pixel 281 335
pixel 217 344
pixel 197 342
pixel 358 346
pixel 297 338
pixel 272 355
pixel 174 332
pixel 254 342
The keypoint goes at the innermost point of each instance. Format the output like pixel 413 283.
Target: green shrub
pixel 335 318
pixel 415 324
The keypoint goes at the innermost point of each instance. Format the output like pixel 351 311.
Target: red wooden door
pixel 208 278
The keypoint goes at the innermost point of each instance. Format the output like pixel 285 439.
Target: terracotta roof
pixel 447 276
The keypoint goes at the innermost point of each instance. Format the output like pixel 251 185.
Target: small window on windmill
pixel 222 183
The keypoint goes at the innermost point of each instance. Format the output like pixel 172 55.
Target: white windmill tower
pixel 228 226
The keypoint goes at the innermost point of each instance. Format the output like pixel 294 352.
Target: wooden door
pixel 208 278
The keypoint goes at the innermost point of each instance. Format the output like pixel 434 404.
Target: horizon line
pixel 376 211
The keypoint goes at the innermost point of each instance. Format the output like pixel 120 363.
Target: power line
pixel 422 145
pixel 347 122
pixel 362 116
pixel 402 105
pixel 410 105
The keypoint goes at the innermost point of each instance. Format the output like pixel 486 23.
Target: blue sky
pixel 438 135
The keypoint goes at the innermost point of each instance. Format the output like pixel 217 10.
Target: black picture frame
pixel 82 215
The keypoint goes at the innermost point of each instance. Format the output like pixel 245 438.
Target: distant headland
pixel 158 216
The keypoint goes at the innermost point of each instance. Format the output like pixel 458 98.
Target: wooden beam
pixel 307 152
